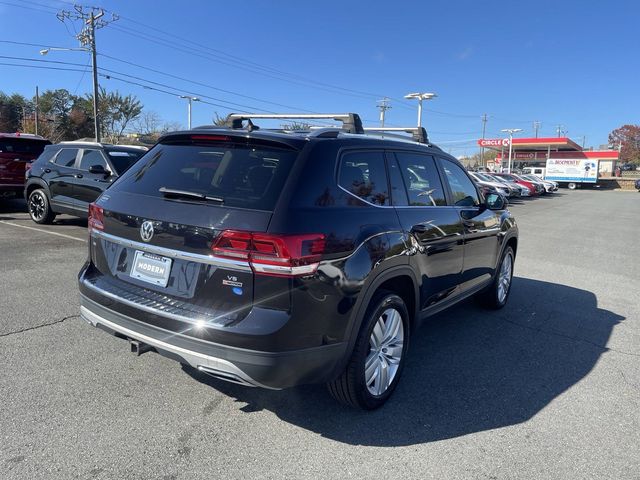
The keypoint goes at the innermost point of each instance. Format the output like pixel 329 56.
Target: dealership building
pixel 534 152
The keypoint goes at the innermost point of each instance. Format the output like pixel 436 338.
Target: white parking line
pixel 43 231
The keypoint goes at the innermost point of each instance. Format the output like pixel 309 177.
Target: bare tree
pixel 148 123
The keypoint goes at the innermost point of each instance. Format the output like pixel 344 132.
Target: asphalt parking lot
pixel 548 387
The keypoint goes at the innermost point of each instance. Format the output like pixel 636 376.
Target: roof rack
pixel 351 122
pixel 419 134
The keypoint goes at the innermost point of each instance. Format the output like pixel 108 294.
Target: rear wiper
pixel 173 192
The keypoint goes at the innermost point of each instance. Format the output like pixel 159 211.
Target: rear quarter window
pixel 363 175
pixel 243 177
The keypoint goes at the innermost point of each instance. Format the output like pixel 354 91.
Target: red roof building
pixel 534 152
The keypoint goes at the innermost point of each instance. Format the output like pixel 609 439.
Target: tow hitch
pixel 139 348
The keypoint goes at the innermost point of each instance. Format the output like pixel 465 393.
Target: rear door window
pixel 363 174
pixel 421 179
pixel 462 189
pixel 240 176
pixel 66 157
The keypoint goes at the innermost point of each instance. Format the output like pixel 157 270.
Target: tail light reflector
pixel 280 255
pixel 96 217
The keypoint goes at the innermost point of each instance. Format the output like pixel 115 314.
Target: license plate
pixel 151 268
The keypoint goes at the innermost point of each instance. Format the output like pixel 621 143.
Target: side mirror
pixel 495 201
pixel 99 170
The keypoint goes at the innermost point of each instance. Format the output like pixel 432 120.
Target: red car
pixel 17 152
pixel 514 179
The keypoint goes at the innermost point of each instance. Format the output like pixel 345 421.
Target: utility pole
pixel 536 127
pixel 559 129
pixel 37 106
pixel 92 18
pixel 484 129
pixel 383 106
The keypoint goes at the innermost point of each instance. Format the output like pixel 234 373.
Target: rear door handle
pixel 47 170
pixel 78 175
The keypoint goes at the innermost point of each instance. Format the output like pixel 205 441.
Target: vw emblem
pixel 146 230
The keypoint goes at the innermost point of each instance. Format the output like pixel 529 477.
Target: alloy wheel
pixel 504 278
pixel 37 206
pixel 385 352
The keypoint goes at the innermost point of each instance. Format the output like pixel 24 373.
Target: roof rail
pixel 419 134
pixel 351 122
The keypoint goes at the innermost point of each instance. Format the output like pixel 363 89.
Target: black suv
pixel 272 258
pixel 68 176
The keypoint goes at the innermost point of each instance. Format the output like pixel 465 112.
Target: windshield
pixel 122 159
pixel 237 176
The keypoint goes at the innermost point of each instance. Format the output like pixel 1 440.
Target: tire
pixel 39 207
pixel 495 297
pixel 351 387
pixel 571 186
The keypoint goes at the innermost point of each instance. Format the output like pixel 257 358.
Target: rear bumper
pixel 15 188
pixel 274 370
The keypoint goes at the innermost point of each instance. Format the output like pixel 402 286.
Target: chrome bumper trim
pixel 204 363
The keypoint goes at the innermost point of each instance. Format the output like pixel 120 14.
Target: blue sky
pixel 573 63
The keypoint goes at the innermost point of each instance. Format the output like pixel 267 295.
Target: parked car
pixel 17 151
pixel 273 259
pixel 537 183
pixel 513 178
pixel 548 185
pixel 524 191
pixel 637 183
pixel 503 188
pixel 68 176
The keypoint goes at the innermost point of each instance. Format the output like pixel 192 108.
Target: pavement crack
pixel 39 326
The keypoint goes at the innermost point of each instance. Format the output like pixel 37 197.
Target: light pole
pixel 510 131
pixel 94 65
pixel 190 99
pixel 420 97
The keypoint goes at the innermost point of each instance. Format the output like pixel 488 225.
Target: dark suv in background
pixel 68 176
pixel 273 258
pixel 17 151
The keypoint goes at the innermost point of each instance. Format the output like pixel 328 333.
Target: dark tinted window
pixel 66 157
pixel 22 146
pixel 462 188
pixel 241 177
pixel 398 191
pixel 421 179
pixel 91 158
pixel 363 174
pixel 123 159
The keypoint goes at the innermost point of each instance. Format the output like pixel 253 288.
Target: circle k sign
pixel 494 142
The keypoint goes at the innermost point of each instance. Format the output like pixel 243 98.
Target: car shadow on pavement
pixel 468 370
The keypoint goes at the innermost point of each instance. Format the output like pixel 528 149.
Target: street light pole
pixel 189 99
pixel 510 131
pixel 420 96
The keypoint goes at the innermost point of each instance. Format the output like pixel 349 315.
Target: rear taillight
pixel 281 255
pixel 96 218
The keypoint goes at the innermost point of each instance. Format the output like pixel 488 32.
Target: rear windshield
pixel 240 176
pixel 22 145
pixel 122 159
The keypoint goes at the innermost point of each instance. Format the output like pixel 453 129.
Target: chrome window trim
pixel 168 252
